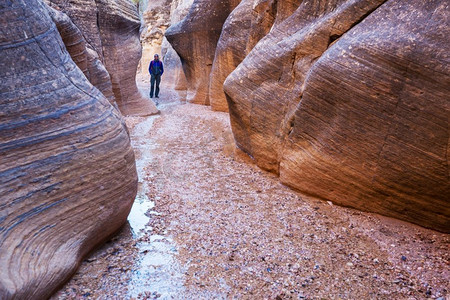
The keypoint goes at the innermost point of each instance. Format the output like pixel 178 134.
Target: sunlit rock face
pixel 111 31
pixel 195 39
pixel 67 171
pixel 348 101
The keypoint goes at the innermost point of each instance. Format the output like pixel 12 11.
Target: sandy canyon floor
pixel 209 224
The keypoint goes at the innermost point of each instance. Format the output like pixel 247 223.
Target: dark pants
pixel 153 79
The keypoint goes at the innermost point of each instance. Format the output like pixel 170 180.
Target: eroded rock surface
pixel 348 101
pixel 231 50
pixel 111 30
pixel 67 171
pixel 195 39
pixel 85 58
pixel 249 22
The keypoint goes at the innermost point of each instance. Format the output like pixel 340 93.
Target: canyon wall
pixel 245 26
pixel 111 33
pixel 345 100
pixel 67 172
pixel 194 39
pixel 174 76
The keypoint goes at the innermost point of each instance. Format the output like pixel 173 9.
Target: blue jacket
pixel 154 66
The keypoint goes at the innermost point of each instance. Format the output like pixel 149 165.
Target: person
pixel 156 70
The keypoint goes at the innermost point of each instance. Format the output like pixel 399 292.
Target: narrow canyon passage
pixel 208 224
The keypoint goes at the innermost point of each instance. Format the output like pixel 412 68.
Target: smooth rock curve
pixel 195 40
pixel 67 171
pixel 111 29
pixel 348 101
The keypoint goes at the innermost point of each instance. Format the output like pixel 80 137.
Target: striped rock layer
pixel 349 101
pixel 67 171
pixel 346 100
pixel 110 32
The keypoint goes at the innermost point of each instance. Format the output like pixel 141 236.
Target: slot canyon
pixel 298 149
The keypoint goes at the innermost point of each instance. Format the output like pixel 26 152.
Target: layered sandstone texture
pixel 195 39
pixel 249 22
pixel 111 33
pixel 67 171
pixel 349 101
pixel 84 57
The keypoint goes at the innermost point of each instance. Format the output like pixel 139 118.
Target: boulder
pixel 67 171
pixel 195 39
pixel 348 102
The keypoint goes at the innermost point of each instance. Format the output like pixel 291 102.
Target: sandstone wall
pixel 67 172
pixel 348 101
pixel 245 26
pixel 111 31
pixel 85 58
pixel 195 39
pixel 231 50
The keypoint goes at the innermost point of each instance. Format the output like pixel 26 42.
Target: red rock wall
pixel 245 26
pixel 348 101
pixel 111 29
pixel 230 51
pixel 85 58
pixel 195 39
pixel 174 76
pixel 67 172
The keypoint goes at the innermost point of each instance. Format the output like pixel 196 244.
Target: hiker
pixel 156 70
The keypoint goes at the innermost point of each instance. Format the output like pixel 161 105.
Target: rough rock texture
pixel 348 101
pixel 111 29
pixel 195 39
pixel 249 22
pixel 67 171
pixel 85 58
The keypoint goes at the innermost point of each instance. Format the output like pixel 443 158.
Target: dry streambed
pixel 208 224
